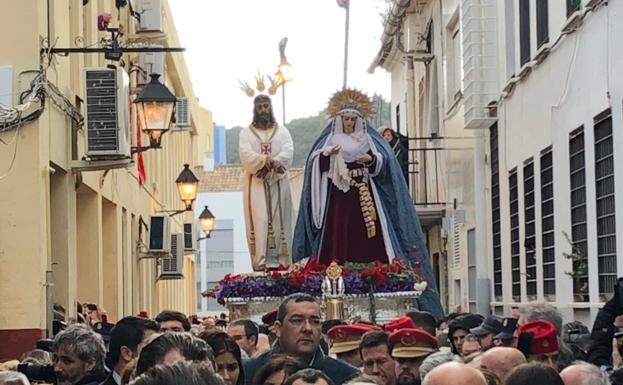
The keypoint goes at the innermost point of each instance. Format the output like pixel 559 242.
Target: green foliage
pixel 305 131
pixel 579 270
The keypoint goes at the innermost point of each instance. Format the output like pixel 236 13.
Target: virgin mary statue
pixel 355 205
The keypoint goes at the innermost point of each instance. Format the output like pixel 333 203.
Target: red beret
pixel 411 343
pixel 346 338
pixel 142 314
pixel 270 317
pixel 544 338
pixel 399 323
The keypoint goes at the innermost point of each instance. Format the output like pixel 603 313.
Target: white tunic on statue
pixel 253 153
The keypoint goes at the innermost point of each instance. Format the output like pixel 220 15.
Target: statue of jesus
pixel 266 152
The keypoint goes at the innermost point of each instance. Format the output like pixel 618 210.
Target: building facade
pixel 421 49
pixel 73 234
pixel 555 155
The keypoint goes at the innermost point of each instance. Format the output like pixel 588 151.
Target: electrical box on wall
pixel 151 15
pixel 151 63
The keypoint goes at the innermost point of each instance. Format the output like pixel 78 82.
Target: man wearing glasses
pixel 298 329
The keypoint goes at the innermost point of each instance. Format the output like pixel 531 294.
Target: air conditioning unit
pixel 107 113
pixel 152 63
pixel 159 234
pixel 182 114
pixel 151 15
pixel 190 237
pixel 172 267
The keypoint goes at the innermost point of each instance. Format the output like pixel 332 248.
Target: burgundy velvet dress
pixel 345 237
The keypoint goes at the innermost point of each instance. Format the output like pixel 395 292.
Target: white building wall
pixel 452 177
pixel 577 81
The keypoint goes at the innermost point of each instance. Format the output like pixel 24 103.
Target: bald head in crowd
pixel 501 360
pixel 447 374
pixel 582 373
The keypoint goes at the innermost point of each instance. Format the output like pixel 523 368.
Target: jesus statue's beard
pixel 263 118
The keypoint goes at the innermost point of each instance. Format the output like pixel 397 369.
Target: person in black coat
pixel 298 329
pixel 400 144
pixel 600 348
pixel 125 338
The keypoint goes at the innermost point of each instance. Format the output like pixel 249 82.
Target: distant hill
pixel 304 132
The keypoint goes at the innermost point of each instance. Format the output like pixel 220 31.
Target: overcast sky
pixel 227 41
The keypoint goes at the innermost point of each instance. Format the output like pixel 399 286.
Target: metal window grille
pixel 515 242
pixel 604 189
pixel 577 174
pixel 547 225
pixel 524 31
pixel 542 23
pixel 495 213
pixel 529 228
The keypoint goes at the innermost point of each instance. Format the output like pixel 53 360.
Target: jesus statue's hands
pixel 278 167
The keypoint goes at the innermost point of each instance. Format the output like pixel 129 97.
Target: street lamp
pixel 206 220
pixel 155 106
pixel 187 184
pixel 284 74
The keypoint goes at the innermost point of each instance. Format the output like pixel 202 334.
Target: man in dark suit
pixel 298 330
pixel 126 339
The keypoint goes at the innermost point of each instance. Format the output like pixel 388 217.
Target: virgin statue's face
pixel 348 123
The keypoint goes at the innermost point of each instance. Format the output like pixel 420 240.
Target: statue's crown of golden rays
pixel 350 99
pixel 260 85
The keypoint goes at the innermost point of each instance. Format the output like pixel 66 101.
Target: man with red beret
pixel 410 347
pixel 538 342
pixel 345 340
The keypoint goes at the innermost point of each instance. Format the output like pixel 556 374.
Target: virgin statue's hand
pixel 334 150
pixel 365 158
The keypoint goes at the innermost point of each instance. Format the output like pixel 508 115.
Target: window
pixel 524 31
pixel 577 174
pixel 471 270
pixel 542 23
pixel 515 243
pixel 495 214
pixel 453 70
pixel 547 225
pixel 572 6
pixel 529 228
pixel 604 190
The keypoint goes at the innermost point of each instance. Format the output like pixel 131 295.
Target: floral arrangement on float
pixel 359 279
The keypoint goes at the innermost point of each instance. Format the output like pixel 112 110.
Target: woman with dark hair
pixel 277 369
pixel 227 356
pixel 533 374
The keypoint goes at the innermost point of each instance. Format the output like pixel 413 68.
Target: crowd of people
pixel 294 346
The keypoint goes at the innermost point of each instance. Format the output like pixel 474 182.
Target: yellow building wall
pixel 83 226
